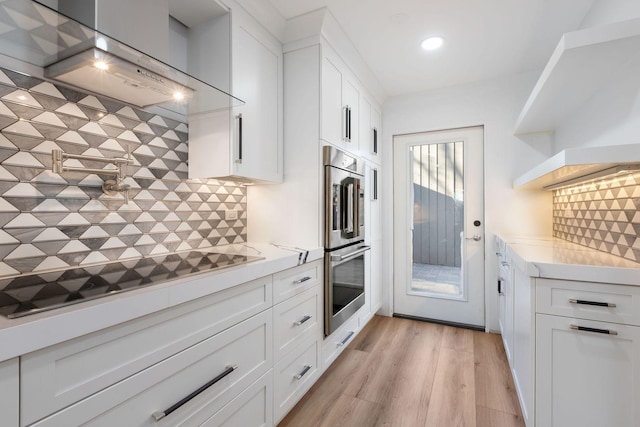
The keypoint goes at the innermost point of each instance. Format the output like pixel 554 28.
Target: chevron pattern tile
pixel 51 221
pixel 603 215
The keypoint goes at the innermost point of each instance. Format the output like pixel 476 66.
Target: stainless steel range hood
pixel 97 70
pixel 79 56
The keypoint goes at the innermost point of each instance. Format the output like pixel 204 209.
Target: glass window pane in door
pixel 438 219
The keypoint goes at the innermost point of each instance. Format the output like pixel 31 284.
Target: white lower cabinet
pixel 252 408
pixel 505 305
pixel 295 280
pixel 523 343
pixel 58 376
pixel 232 358
pixel 9 385
pixel 236 358
pixel 574 350
pixel 588 377
pixel 334 344
pixel 297 334
pixel 294 376
pixel 296 318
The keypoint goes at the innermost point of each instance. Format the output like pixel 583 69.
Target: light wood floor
pixel 400 372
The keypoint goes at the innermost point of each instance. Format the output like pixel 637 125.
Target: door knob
pixel 475 237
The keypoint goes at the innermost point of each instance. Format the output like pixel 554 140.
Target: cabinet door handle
pixel 375 184
pixel 304 279
pixel 345 129
pixel 375 140
pixel 239 117
pixel 346 339
pixel 301 321
pixel 303 373
pixel 347 123
pixel 596 303
pixel 596 330
pixel 500 292
pixel 349 129
pixel 161 414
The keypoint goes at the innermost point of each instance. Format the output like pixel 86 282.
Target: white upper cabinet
pixel 256 79
pixel 369 131
pixel 340 99
pixel 243 143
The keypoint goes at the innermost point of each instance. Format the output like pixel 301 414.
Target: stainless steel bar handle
pixel 239 159
pixel 349 127
pixel 357 252
pixel 350 207
pixel 301 321
pixel 347 123
pixel 596 330
pixel 161 414
pixel 375 140
pixel 303 373
pixel 299 281
pixel 346 339
pixel 356 208
pixel 596 303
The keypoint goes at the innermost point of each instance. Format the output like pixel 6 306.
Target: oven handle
pixel 350 255
pixel 351 212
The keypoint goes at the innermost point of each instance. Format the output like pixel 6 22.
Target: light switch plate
pixel 230 215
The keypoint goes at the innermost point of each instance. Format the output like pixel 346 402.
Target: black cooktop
pixel 24 295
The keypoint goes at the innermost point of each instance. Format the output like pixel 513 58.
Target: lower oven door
pixel 344 285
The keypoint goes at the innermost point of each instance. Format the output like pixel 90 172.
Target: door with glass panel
pixel 439 226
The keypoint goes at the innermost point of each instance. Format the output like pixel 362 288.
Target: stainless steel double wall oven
pixel 344 259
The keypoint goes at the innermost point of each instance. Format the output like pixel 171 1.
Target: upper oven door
pixel 343 207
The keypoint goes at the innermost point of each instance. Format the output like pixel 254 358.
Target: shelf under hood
pixel 67 50
pixel 575 165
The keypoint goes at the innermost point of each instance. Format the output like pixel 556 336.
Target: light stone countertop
pixel 554 258
pixel 26 334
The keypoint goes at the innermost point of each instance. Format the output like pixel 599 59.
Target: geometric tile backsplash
pixel 603 215
pixel 51 221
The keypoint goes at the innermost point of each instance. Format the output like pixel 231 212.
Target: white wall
pixel 608 11
pixel 495 105
pixel 612 115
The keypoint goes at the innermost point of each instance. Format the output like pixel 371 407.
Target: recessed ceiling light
pixel 432 43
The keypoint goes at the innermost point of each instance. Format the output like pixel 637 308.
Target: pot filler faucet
pixel 111 186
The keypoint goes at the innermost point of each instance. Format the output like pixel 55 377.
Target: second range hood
pixel 575 165
pixel 81 57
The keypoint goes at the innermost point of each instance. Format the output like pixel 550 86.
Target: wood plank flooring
pixel 401 372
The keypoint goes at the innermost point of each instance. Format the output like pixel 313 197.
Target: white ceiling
pixel 484 39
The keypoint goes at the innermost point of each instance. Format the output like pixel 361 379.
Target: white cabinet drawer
pixel 295 280
pixel 587 300
pixel 294 319
pixel 252 408
pixel 57 376
pixel 294 375
pixel 133 401
pixel 337 341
